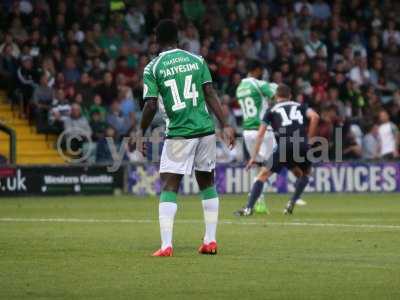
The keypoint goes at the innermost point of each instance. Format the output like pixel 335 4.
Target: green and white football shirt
pixel 176 78
pixel 253 96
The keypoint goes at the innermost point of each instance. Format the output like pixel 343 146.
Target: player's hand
pixel 228 135
pixel 250 163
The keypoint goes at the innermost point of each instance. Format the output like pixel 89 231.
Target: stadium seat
pixel 32 148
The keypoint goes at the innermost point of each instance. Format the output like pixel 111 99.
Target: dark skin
pixel 171 181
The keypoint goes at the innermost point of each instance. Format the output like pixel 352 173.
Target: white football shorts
pixel 181 156
pixel 267 147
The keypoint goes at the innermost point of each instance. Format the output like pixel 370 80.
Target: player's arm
pixel 268 89
pixel 266 121
pixel 149 111
pixel 214 104
pixel 396 140
pixel 259 140
pixel 313 118
pixel 150 96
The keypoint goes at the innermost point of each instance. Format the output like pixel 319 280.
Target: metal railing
pixel 12 150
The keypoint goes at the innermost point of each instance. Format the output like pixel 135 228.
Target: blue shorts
pixel 289 156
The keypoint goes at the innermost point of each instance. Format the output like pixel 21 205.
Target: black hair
pixel 253 65
pixel 167 32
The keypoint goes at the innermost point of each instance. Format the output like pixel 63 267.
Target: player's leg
pixel 204 165
pixel 255 193
pixel 210 203
pixel 250 137
pixel 302 175
pixel 167 209
pixel 301 182
pixel 176 160
pixel 272 165
pixel 261 204
pixel 266 150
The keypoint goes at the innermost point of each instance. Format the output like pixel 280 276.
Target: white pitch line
pixel 225 222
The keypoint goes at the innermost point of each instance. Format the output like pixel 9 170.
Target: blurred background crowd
pixel 79 64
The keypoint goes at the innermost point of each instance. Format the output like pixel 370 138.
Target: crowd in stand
pixel 79 64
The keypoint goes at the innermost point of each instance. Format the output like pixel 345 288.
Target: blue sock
pixel 255 193
pixel 300 185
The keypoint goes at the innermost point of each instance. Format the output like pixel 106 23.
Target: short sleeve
pixel 267 118
pixel 150 88
pixel 205 74
pixel 268 89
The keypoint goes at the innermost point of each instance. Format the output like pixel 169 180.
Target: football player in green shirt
pixel 254 96
pixel 180 84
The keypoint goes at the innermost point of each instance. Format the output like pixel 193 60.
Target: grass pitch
pixel 336 247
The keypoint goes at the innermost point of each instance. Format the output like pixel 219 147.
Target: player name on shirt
pixel 179 69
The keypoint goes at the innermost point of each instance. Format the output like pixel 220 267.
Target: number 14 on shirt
pixel 189 92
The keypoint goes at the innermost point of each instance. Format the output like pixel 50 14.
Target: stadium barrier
pixel 353 177
pixel 350 177
pixel 12 145
pixel 59 180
